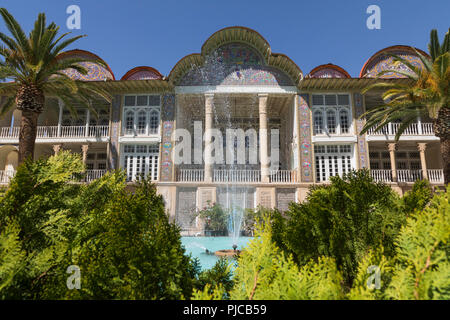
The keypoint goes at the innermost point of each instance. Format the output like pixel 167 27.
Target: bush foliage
pixel 418 268
pixel 126 248
pixel 122 242
pixel 346 219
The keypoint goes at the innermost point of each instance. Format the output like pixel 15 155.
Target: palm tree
pixel 426 94
pixel 34 70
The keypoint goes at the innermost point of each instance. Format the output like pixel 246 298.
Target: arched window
pixel 331 121
pixel 318 122
pixel 142 122
pixel 129 122
pixel 154 121
pixel 343 115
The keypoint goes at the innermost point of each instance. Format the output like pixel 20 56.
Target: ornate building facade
pixel 235 82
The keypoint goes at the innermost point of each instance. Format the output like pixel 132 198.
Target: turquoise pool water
pixel 197 245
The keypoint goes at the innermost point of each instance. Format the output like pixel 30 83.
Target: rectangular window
pixel 141 161
pixel 141 115
pixel 331 114
pixel 130 101
pixel 317 100
pixel 142 100
pixel 101 166
pixel 415 165
pixel 401 165
pixel 154 100
pixel 332 160
pixel 343 100
pixel 374 165
pixel 330 100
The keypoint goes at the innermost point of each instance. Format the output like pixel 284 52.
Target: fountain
pixel 234 200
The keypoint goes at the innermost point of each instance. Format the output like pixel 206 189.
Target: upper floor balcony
pixel 415 131
pixel 59 133
pixel 236 176
pixel 85 177
pixel 434 176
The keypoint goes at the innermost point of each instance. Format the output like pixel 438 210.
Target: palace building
pixel 235 82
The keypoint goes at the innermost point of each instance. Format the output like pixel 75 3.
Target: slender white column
pixel 419 125
pixel 263 139
pixel 61 106
pixel 88 115
pixel 422 147
pixel 392 147
pixel 209 102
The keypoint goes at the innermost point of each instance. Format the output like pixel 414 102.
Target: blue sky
pixel 159 33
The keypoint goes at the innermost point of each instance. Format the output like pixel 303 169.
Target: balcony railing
pixel 59 132
pixel 226 175
pixel 283 176
pixel 381 175
pixel 6 175
pixel 434 175
pixel 190 175
pixel 409 175
pixel 91 175
pixel 236 175
pixel 88 175
pixel 415 129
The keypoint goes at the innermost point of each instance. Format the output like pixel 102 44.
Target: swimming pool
pixel 197 246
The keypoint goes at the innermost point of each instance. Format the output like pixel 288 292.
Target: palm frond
pixel 60 47
pixel 446 43
pixel 406 122
pixel 433 47
pixel 408 74
pixel 17 32
pixel 414 69
pixel 8 105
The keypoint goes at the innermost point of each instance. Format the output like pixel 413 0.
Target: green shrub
pixel 219 275
pixel 422 263
pixel 419 196
pixel 342 220
pixel 122 242
pixel 265 273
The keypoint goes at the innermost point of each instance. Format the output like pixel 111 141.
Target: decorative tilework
pixel 305 138
pixel 168 113
pixel 144 75
pixel 385 62
pixel 328 73
pixel 362 148
pixel 95 71
pixel 235 64
pixel 235 53
pixel 115 132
